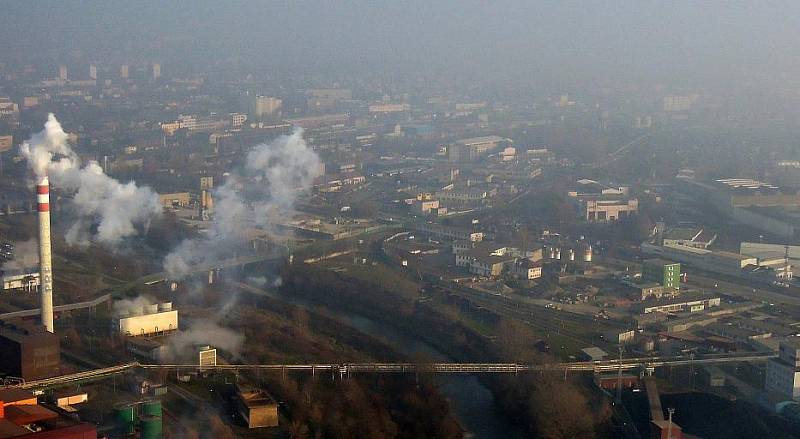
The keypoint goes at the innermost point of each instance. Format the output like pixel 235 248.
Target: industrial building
pixel 688 235
pixel 206 356
pixel 490 259
pixel 147 348
pixel 28 352
pixel 26 280
pixel 644 290
pixel 151 319
pixel 448 233
pixel 760 205
pixel 680 304
pixel 144 416
pixel 780 258
pixel 598 202
pixel 734 264
pixel 783 371
pixel 593 353
pixel 256 407
pixel 21 416
pixel 777 221
pixel 468 150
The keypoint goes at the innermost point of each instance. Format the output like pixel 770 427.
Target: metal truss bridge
pixel 346 369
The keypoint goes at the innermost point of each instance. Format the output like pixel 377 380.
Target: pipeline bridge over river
pixel 347 369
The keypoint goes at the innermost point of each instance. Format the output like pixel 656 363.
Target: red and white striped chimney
pixel 45 253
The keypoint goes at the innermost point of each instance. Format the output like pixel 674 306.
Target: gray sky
pixel 573 41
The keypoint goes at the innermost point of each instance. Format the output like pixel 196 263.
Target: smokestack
pixel 45 254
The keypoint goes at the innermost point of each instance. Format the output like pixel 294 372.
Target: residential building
pixel 389 108
pixel 6 142
pixel 666 273
pixel 177 199
pixel 238 119
pixel 265 106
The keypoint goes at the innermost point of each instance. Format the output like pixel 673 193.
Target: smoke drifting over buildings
pixel 206 332
pixel 106 211
pixel 130 306
pixel 276 173
pixel 26 256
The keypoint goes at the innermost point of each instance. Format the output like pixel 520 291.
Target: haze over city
pixel 399 219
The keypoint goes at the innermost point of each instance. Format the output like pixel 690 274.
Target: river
pixel 472 403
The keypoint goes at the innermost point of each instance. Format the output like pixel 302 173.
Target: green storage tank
pixel 125 416
pixel 150 427
pixel 151 407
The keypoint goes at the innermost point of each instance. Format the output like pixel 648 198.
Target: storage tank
pixel 558 253
pixel 571 254
pixel 166 306
pixel 150 427
pixel 151 407
pixel 125 416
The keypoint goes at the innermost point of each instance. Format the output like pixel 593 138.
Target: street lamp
pixel 671 410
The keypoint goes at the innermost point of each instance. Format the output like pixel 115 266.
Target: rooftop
pixel 11 394
pixel 253 397
pixel 480 140
pixel 683 233
pixel 731 255
pixel 779 213
pixel 744 183
pixel 659 261
pixel 26 333
pixel 594 352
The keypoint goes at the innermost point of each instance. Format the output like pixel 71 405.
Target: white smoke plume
pixel 275 174
pixel 26 256
pixel 205 332
pixel 258 281
pixel 107 211
pixel 132 306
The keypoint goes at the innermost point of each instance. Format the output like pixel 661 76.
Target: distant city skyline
pixel 571 42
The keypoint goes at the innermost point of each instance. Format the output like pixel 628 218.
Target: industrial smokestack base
pixel 45 254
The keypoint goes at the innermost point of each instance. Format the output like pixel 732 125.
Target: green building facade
pixel 667 273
